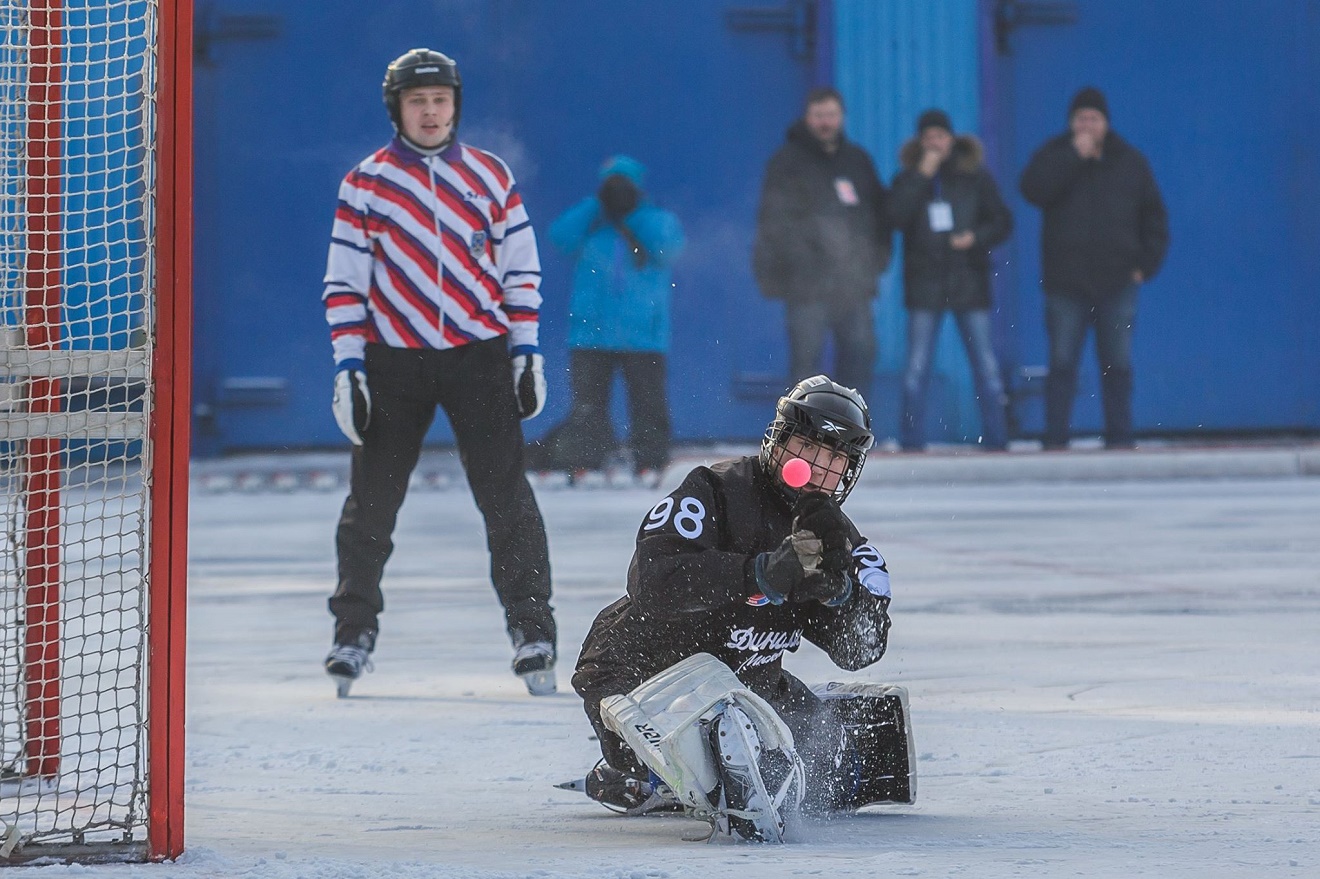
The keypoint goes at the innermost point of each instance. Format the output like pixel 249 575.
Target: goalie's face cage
pixel 835 466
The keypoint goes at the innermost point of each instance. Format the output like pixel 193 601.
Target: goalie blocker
pixel 725 755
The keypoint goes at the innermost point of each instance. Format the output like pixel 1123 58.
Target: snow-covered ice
pixel 1107 679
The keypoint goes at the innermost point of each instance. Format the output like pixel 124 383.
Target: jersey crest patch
pixel 758 600
pixel 478 246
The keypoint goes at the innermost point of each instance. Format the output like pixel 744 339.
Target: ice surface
pixel 1107 679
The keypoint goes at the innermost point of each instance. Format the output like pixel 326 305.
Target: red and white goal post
pixel 95 325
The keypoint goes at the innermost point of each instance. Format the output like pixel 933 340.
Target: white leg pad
pixel 665 721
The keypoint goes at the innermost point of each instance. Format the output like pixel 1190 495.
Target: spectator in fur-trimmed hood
pixel 949 210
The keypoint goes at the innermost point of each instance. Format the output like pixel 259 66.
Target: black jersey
pixel 692 588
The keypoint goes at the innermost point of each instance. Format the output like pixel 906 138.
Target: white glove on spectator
pixel 529 383
pixel 352 403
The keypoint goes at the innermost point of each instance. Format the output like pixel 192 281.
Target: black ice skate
pixel 346 662
pixel 623 793
pixel 534 662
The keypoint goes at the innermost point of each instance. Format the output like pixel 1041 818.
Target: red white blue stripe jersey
pixel 430 252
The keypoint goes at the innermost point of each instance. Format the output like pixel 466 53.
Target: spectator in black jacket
pixel 823 238
pixel 1105 233
pixel 948 208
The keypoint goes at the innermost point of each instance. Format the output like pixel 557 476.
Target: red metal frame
pixel 44 321
pixel 172 369
pixel 169 430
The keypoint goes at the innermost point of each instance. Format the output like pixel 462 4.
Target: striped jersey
pixel 430 252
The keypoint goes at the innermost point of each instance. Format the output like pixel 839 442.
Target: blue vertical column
pixel 893 59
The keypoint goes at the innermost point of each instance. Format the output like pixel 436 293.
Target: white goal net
pixel 78 335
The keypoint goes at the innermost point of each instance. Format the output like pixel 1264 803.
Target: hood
pixel 967 157
pixel 626 166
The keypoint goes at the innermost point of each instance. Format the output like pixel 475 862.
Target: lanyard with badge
pixel 846 192
pixel 940 211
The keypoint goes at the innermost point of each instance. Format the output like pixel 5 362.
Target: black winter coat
pixel 1103 219
pixel 692 589
pixel 935 276
pixel 823 233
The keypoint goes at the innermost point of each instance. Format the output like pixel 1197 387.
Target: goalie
pixel 682 678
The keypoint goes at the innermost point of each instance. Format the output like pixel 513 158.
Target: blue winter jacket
pixel 616 306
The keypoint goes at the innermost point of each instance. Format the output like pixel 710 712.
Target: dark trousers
pixel 474 385
pixel 586 437
pixel 853 328
pixel 1066 321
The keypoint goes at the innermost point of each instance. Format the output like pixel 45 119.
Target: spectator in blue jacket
pixel 623 247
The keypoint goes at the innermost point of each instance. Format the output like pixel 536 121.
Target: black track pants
pixel 586 437
pixel 474 386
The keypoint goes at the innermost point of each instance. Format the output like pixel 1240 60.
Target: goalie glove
pixel 783 570
pixel 793 572
pixel 819 514
pixel 352 401
pixel 528 381
pixel 830 588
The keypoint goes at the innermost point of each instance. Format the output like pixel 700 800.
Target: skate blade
pixel 342 685
pixel 540 683
pixel 740 752
pixel 576 784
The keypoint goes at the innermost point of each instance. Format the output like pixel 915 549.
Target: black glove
pixel 619 197
pixel 831 588
pixel 529 383
pixel 352 402
pixel 779 571
pixel 790 572
pixel 819 513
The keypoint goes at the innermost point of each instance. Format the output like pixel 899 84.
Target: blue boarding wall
pixel 892 60
pixel 1220 96
pixel 701 91
pixel 288 100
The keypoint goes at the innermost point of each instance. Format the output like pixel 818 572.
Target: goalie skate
pixel 622 793
pixel 756 784
pixel 723 751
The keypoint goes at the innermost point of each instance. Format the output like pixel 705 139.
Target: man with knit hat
pixel 1104 234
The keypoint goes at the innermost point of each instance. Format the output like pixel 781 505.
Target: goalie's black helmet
pixel 827 414
pixel 420 67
